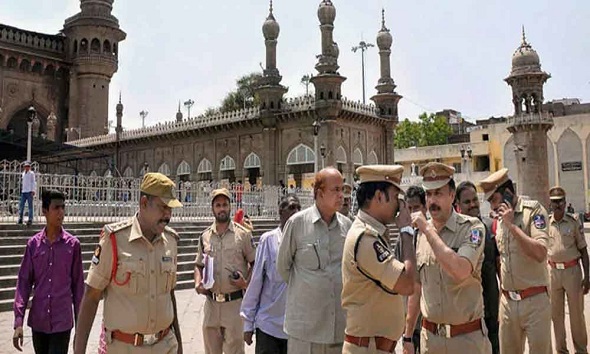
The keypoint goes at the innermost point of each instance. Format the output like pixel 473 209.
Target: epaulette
pixel 172 232
pixel 240 227
pixel 462 219
pixel 369 231
pixel 531 204
pixel 118 226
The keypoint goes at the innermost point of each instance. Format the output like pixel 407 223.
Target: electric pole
pixel 363 46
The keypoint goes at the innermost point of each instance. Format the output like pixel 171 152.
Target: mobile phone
pixel 508 197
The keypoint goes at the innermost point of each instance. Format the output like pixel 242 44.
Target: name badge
pixel 166 259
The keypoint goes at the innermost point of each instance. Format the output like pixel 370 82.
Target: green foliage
pixel 244 96
pixel 428 130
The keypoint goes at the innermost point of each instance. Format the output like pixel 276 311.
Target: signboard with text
pixel 571 166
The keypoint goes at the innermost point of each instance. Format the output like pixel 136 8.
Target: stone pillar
pixel 270 161
pixel 531 155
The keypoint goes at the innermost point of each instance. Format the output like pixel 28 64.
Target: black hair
pixel 366 191
pixel 462 187
pixel 451 185
pixel 416 192
pixel 50 194
pixel 286 199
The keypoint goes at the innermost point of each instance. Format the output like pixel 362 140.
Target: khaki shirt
pixel 310 262
pixel 443 300
pixel 519 271
pixel 231 251
pixel 370 310
pixel 143 304
pixel 567 237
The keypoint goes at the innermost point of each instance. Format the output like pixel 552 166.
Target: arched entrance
pixel 18 123
pixel 252 166
pixel 300 163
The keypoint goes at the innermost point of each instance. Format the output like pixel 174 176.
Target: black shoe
pixel 20 222
pixel 29 223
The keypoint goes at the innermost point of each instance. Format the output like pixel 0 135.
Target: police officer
pixel 346 208
pixel 523 240
pixel 569 247
pixel 134 269
pixel 372 277
pixel 227 247
pixel 449 256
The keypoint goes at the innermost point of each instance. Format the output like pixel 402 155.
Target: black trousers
pixel 267 344
pixel 51 343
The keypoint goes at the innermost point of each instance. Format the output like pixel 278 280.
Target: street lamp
pixel 316 130
pixel 146 168
pixel 189 104
pixel 363 46
pixel 466 155
pixel 323 153
pixel 143 114
pixel 32 114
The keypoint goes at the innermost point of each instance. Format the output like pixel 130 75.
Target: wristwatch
pixel 407 339
pixel 408 230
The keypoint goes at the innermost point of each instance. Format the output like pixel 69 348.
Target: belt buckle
pixel 150 339
pixel 220 297
pixel 514 295
pixel 138 340
pixel 443 330
pixel 559 265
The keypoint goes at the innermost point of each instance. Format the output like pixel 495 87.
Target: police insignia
pixel 381 251
pixel 539 221
pixel 96 255
pixel 475 237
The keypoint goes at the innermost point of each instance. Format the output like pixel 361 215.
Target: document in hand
pixel 208 280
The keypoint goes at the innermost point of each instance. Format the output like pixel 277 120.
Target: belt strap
pixel 226 297
pixel 381 343
pixel 564 265
pixel 523 294
pixel 137 339
pixel 450 331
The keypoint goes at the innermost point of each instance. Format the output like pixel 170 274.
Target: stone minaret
pixel 530 123
pixel 386 98
pixel 118 132
pixel 178 114
pixel 93 42
pixel 328 82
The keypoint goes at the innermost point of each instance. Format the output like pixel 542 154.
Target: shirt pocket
pixel 40 261
pixel 130 277
pixel 167 276
pixel 308 256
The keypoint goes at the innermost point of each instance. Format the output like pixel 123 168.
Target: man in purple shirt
pixel 263 307
pixel 52 264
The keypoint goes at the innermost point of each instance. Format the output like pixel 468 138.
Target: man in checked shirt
pixel 52 264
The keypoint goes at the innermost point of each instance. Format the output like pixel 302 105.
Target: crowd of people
pixel 323 281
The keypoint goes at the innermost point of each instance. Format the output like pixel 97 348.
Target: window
pixel 485 137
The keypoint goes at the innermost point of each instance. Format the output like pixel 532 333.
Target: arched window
pixel 106 47
pixel 93 174
pixel 12 63
pixel 25 65
pixel 227 164
pixel 204 166
pixel 164 169
pixel 128 172
pixel 372 160
pixel 183 169
pixel 49 70
pixel 340 155
pixel 301 155
pixel 357 157
pixel 252 161
pixel 38 68
pixel 95 46
pixel 84 46
pixel 108 173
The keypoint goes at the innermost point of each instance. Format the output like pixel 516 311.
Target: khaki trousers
pixel 349 348
pixel 168 345
pixel 568 282
pixel 473 343
pixel 223 328
pixel 529 319
pixel 297 346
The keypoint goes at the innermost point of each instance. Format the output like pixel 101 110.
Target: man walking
pixel 134 270
pixel 567 279
pixel 523 240
pixel 373 279
pixel 29 186
pixel 263 307
pixel 229 249
pixel 310 262
pixel 468 202
pixel 52 265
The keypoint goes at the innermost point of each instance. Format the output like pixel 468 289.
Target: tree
pixel 244 96
pixel 428 130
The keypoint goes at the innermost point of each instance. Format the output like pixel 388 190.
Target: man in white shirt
pixel 29 186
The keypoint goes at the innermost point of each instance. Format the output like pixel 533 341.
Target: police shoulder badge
pixel 475 237
pixel 539 221
pixel 96 255
pixel 381 251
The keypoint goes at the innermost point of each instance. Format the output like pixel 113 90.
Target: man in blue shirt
pixel 263 307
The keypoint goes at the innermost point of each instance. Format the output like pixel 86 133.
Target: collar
pixel 316 216
pixel 553 220
pixel 451 223
pixel 372 222
pixel 519 206
pixel 230 227
pixel 60 235
pixel 136 231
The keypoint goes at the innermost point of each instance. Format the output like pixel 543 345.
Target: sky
pixel 446 54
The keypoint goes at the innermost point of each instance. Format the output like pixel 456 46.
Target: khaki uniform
pixel 371 310
pixel 231 251
pixel 143 303
pixel 446 302
pixel 568 240
pixel 530 316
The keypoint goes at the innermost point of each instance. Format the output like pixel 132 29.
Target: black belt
pixel 226 297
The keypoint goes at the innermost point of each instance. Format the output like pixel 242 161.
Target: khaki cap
pixel 218 192
pixel 435 175
pixel 347 190
pixel 556 193
pixel 490 184
pixel 381 173
pixel 158 185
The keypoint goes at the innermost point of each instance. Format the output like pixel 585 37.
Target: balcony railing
pixel 544 118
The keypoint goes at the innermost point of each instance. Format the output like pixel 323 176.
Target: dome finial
pixel 524 36
pixel 383 28
pixel 270 8
pixel 119 97
pixel 178 105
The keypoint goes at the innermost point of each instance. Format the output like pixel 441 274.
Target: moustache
pixel 434 207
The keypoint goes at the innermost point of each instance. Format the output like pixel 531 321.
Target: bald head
pixel 327 190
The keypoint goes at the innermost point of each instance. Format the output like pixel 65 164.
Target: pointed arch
pixel 372 158
pixel 357 157
pixel 301 155
pixel 93 174
pixel 252 161
pixel 128 172
pixel 164 169
pixel 571 173
pixel 205 166
pixel 95 46
pixel 340 155
pixel 108 173
pixel 227 164
pixel 183 169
